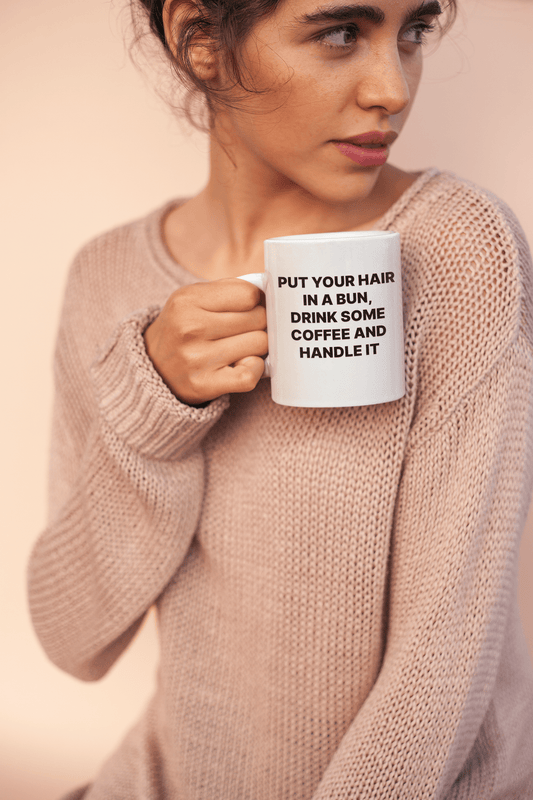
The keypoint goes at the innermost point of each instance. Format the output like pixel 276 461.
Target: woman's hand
pixel 208 340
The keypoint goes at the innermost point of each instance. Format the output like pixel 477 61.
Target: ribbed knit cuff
pixel 136 404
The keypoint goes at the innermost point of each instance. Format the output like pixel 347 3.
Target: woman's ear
pixel 176 13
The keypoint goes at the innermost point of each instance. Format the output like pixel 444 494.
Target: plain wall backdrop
pixel 86 145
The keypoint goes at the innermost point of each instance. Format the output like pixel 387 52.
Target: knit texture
pixel 335 588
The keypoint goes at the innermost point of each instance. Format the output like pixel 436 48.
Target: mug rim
pixel 332 236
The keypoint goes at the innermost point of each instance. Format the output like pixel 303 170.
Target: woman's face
pixel 331 71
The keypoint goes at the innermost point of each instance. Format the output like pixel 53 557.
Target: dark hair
pixel 224 25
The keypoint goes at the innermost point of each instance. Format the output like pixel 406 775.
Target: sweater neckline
pixel 161 256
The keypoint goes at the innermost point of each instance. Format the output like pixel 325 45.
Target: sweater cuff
pixel 137 405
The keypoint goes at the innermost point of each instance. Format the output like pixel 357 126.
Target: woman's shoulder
pixel 452 203
pixel 114 275
pixel 466 245
pixel 125 247
pixel 462 211
pixel 468 279
pixel 123 269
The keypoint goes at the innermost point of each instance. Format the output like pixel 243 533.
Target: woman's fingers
pixel 221 325
pixel 226 352
pixel 241 377
pixel 201 332
pixel 201 312
pixel 227 294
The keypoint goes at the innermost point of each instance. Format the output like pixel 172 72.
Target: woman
pixel 336 588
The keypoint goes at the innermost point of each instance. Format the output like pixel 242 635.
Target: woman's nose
pixel 384 83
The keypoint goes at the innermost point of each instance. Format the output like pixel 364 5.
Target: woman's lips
pixel 365 156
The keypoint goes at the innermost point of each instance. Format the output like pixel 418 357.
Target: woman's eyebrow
pixel 345 13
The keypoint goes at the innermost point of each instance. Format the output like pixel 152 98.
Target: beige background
pixel 86 147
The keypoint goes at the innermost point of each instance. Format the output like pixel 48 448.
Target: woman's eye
pixel 419 31
pixel 344 36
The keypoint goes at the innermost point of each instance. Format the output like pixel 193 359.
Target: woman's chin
pixel 346 189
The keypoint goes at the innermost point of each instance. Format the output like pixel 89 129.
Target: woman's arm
pixel 126 489
pixel 461 507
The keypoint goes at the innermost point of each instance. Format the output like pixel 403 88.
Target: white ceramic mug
pixel 334 318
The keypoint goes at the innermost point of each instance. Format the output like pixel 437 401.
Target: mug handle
pixel 259 279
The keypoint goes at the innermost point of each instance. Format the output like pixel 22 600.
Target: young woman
pixel 336 588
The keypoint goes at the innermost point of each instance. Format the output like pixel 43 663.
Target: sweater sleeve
pixel 427 728
pixel 127 476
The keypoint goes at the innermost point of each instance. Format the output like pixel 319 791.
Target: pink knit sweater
pixel 335 588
